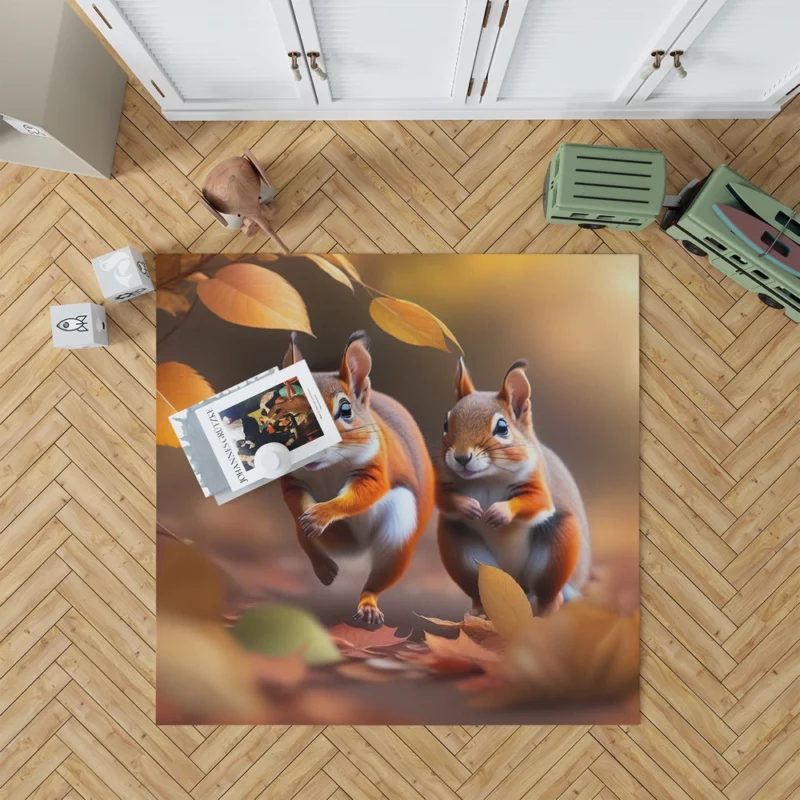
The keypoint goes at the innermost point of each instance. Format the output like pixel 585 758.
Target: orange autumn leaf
pixel 177 387
pixel 329 269
pixel 504 601
pixel 256 297
pixel 407 322
pixel 346 264
pixel 478 629
pixel 171 302
pixel 359 642
pixel 449 334
pixel 460 656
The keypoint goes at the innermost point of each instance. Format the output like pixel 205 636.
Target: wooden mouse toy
pixel 373 492
pixel 507 500
pixel 234 187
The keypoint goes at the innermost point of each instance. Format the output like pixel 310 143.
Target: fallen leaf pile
pixel 203 674
pixel 277 664
pixel 375 655
pixel 586 652
pixel 258 671
pixel 461 656
pixel 583 653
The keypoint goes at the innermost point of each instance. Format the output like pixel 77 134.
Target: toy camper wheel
pixel 769 301
pixel 591 226
pixel 693 248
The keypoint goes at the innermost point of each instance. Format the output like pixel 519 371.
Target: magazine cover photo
pixel 463 549
pixel 282 414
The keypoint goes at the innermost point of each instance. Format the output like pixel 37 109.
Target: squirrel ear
pixel 293 354
pixel 464 385
pixel 516 389
pixel 356 365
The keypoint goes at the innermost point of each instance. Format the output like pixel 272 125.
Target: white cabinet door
pixel 208 54
pixel 391 54
pixel 735 51
pixel 574 54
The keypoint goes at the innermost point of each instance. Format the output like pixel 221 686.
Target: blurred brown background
pixel 575 318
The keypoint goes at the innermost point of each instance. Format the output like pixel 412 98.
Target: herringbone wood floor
pixel 720 472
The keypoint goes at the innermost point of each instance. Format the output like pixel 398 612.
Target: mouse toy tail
pixel 263 223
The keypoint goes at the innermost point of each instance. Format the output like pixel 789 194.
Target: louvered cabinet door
pixel 208 54
pixel 734 51
pixel 577 54
pixel 390 54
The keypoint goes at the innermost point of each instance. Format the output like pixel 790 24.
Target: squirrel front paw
pixel 467 507
pixel 497 515
pixel 314 520
pixel 368 610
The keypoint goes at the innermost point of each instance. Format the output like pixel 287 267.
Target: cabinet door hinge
pixel 483 88
pixel 503 15
pixel 486 12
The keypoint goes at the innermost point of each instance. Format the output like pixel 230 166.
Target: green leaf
pixel 280 630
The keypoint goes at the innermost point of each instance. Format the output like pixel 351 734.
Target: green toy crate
pixel 597 187
pixel 696 225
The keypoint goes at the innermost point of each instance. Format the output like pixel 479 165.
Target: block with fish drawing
pixel 122 274
pixel 78 325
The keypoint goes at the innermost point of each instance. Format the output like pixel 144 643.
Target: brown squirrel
pixel 505 499
pixel 373 492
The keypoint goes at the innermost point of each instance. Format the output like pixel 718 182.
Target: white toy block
pixel 122 274
pixel 79 325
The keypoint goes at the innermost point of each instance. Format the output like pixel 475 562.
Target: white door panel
pixel 391 52
pixel 577 52
pixel 748 51
pixel 227 55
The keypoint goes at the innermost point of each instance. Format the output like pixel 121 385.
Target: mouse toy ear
pixel 293 354
pixel 516 389
pixel 356 366
pixel 464 385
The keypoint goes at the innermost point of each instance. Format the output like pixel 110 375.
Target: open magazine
pixel 255 431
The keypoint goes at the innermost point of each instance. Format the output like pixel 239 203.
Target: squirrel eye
pixel 444 427
pixel 501 428
pixel 345 410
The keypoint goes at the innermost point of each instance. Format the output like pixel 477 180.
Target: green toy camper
pixel 605 187
pixel 597 187
pixel 702 232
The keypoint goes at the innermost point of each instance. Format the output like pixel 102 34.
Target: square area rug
pixel 467 554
